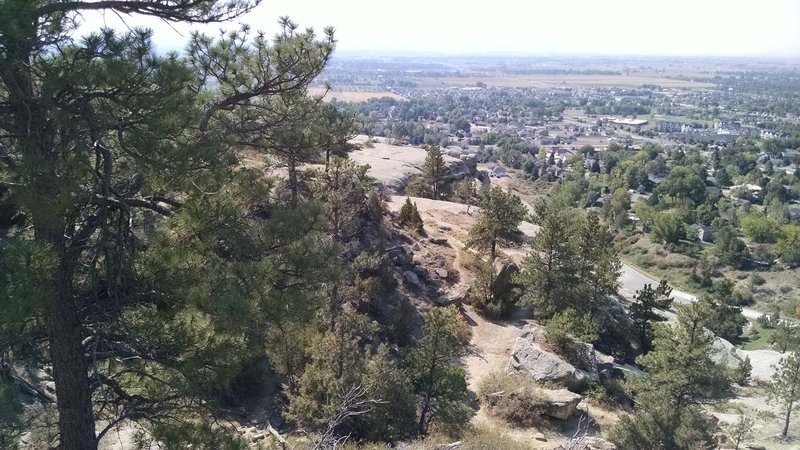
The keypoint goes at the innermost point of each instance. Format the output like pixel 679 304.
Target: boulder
pixel 441 273
pixel 596 443
pixel 393 166
pixel 412 279
pixel 438 240
pixel 559 404
pixel 457 295
pixel 531 358
pixel 725 353
pixel 504 279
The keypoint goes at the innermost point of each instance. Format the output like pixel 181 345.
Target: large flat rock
pixel 394 165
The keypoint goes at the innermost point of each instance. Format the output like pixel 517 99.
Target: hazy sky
pixel 609 27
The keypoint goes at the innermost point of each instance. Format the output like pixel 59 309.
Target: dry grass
pixel 511 398
pixel 478 438
pixel 352 96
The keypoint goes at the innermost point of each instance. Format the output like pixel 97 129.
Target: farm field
pixel 352 96
pixel 559 80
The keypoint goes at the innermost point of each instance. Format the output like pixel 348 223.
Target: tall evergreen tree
pixel 680 376
pixel 501 214
pixel 101 140
pixel 549 272
pixel 643 314
pixel 435 171
pixel 725 316
pixel 573 263
pixel 601 268
pixel 784 387
pixel 438 377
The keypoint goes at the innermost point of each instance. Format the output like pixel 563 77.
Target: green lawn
pixel 758 340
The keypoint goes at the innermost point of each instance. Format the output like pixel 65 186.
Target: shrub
pixel 409 216
pixel 511 398
pixel 567 326
pixel 757 279
pixel 609 394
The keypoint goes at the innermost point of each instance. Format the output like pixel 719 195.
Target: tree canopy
pixel 124 164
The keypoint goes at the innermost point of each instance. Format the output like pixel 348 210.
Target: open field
pixel 553 81
pixel 352 96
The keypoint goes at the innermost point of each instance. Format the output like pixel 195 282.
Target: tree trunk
pixel 70 371
pixel 788 416
pixel 70 368
pixel 76 425
pixel 75 416
pixel 292 169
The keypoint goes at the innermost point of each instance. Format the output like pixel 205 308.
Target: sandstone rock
pixel 443 300
pixel 443 227
pixel 438 240
pixel 559 404
pixel 459 293
pixel 412 279
pixel 540 437
pixel 416 247
pixel 724 352
pixel 531 358
pixel 441 273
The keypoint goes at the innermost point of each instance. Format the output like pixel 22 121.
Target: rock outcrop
pixel 559 403
pixel 533 359
pixel 394 165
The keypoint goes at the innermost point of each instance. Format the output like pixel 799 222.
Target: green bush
pixel 608 394
pixel 569 326
pixel 409 216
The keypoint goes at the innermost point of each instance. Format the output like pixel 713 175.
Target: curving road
pixel 633 280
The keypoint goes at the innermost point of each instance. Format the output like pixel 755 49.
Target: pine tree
pixel 725 316
pixel 784 386
pixel 601 268
pixel 438 377
pixel 643 314
pixel 465 192
pixel 111 141
pixel 435 171
pixel 501 214
pixel 680 376
pixel 409 216
pixel 550 271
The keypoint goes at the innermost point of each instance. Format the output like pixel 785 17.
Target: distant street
pixel 632 280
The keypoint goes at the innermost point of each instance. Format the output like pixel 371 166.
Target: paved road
pixel 633 280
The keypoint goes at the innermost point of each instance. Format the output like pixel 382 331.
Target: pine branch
pixel 194 11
